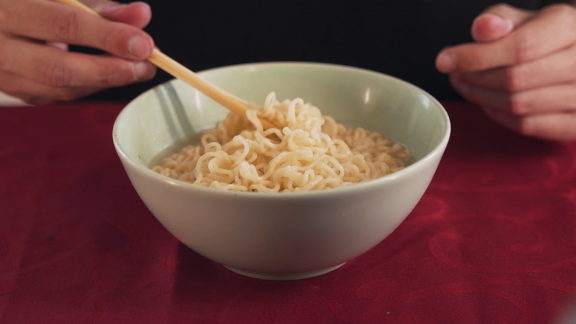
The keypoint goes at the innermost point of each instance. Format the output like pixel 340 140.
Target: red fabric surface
pixel 493 239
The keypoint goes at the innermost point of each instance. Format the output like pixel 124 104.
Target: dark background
pixel 399 38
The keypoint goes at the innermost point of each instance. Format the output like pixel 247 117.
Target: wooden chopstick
pixel 179 71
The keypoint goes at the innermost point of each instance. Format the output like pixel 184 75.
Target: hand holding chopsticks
pixel 177 70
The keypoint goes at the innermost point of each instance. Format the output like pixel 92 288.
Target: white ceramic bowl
pixel 284 235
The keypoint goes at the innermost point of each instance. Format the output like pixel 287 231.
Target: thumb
pixel 99 5
pixel 498 21
pixel 137 14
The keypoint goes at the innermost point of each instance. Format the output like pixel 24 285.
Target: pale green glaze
pixel 352 96
pixel 284 235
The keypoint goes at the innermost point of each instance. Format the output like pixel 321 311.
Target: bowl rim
pixel 357 187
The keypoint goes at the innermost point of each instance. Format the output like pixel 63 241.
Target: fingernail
pixel 58 45
pixel 110 8
pixel 498 20
pixel 445 63
pixel 140 47
pixel 141 70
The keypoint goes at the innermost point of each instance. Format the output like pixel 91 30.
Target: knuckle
pixel 36 101
pixel 519 104
pixel 565 13
pixel 526 126
pixel 8 14
pixel 562 12
pixel 116 76
pixel 570 66
pixel 472 60
pixel 3 19
pixel 514 78
pixel 112 78
pixel 559 9
pixel 55 74
pixel 107 40
pixel 66 94
pixel 4 59
pixel 65 26
pixel 523 47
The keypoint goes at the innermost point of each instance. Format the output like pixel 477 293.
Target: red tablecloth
pixel 493 240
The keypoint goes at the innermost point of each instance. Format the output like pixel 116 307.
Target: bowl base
pixel 284 276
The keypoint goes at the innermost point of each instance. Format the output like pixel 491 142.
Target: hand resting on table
pixel 521 70
pixel 36 67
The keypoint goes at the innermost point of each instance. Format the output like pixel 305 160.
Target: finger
pixel 97 5
pixel 36 93
pixel 557 98
pixel 58 45
pixel 549 32
pixel 137 14
pixel 557 68
pixel 498 21
pixel 56 68
pixel 50 21
pixel 553 127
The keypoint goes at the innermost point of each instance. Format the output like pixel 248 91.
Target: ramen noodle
pixel 306 151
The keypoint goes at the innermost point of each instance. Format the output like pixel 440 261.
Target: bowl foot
pixel 285 276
